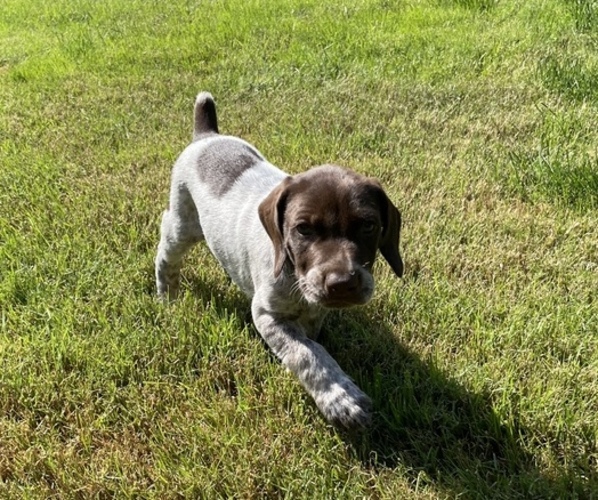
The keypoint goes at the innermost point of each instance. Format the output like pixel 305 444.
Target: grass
pixel 557 168
pixel 479 117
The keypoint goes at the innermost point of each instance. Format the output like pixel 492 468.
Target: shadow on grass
pixel 438 431
pixel 432 426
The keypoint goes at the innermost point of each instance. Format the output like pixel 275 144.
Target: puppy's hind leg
pixel 180 230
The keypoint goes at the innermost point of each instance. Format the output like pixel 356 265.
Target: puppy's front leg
pixel 335 394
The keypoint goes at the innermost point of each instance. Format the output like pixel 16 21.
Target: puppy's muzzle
pixel 345 289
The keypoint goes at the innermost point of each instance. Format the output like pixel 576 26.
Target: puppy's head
pixel 328 223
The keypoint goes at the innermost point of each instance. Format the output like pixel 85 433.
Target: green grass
pixel 479 117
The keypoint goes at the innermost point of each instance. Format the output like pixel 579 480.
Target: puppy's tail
pixel 205 115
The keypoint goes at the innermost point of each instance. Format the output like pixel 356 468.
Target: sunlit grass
pixel 480 119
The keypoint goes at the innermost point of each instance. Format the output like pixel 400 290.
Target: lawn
pixel 480 118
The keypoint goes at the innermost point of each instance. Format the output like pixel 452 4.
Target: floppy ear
pixel 271 212
pixel 391 232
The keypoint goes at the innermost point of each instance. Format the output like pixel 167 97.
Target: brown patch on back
pixel 223 161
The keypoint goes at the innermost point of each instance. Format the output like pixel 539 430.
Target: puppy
pixel 297 246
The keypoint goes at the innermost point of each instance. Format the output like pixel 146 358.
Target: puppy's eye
pixel 369 227
pixel 305 229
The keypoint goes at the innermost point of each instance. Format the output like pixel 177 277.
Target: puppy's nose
pixel 342 283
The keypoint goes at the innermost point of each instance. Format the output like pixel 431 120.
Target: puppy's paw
pixel 167 293
pixel 167 280
pixel 345 405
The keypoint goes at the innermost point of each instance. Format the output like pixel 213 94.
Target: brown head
pixel 328 223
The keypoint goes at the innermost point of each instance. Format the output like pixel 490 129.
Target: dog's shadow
pixel 437 431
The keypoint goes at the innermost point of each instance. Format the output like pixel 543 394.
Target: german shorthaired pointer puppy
pixel 297 246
